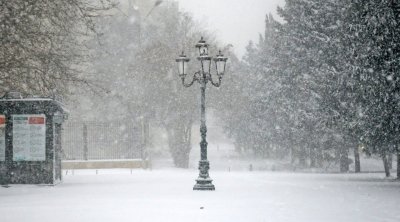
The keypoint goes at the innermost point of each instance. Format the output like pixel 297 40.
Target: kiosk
pixel 30 140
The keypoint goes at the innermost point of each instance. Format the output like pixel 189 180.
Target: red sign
pixel 2 120
pixel 36 120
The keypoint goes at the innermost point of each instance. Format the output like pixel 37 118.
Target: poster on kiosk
pixel 29 137
pixel 2 138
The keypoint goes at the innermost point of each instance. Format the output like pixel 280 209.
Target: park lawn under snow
pixel 167 195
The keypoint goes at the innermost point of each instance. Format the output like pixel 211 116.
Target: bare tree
pixel 42 46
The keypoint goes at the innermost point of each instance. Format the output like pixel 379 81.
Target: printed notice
pixel 29 137
pixel 2 138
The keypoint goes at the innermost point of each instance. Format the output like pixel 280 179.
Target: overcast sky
pixel 234 21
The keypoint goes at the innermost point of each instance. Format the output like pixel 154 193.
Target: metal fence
pixel 102 140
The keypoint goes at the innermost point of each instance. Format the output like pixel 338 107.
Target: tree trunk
pixel 344 159
pixel 398 162
pixel 390 161
pixel 320 157
pixel 385 164
pixel 145 137
pixel 357 165
pixel 292 155
pixel 312 156
pixel 302 156
pixel 337 155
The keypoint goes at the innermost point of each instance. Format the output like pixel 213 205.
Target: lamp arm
pixel 195 78
pixel 216 84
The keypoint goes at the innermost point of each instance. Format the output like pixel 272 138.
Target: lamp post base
pixel 204 182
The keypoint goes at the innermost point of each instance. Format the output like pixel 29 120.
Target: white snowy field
pixel 167 195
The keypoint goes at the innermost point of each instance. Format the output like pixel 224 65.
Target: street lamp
pixel 203 76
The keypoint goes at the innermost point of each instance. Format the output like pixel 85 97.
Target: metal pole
pixel 85 142
pixel 203 127
pixel 203 182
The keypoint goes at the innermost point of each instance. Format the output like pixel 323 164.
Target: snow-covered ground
pixel 166 195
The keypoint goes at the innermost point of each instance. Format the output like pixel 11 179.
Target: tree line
pixel 320 84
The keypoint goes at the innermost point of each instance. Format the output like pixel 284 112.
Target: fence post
pixel 85 142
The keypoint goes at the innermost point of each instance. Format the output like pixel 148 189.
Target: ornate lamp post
pixel 203 76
